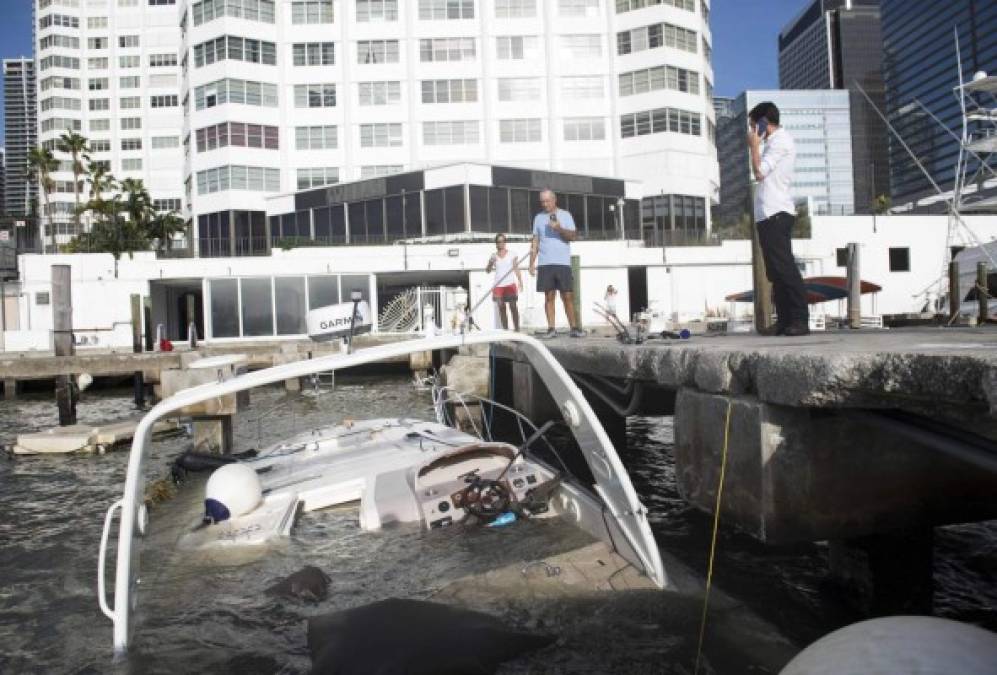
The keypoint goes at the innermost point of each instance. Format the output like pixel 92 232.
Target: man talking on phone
pixel 553 232
pixel 775 215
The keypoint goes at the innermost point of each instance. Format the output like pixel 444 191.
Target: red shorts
pixel 507 293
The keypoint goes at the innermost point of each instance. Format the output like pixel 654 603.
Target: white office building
pixel 222 103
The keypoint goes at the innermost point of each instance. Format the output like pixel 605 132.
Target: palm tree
pixel 76 145
pixel 41 164
pixel 163 225
pixel 136 202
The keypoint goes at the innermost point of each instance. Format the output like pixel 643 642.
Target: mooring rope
pixel 713 538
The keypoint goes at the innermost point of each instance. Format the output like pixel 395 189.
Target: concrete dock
pixel 866 439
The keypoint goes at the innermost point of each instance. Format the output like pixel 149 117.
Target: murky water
pixel 211 615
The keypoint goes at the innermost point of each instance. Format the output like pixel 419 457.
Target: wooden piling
pixel 854 288
pixel 576 276
pixel 762 287
pixel 62 330
pixel 137 377
pixel 982 293
pixel 955 297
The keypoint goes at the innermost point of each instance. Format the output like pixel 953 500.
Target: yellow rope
pixel 713 538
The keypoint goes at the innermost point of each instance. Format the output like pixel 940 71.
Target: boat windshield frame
pixel 628 516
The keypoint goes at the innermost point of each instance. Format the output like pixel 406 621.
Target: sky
pixel 745 33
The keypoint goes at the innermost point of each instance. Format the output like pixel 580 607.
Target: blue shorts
pixel 555 278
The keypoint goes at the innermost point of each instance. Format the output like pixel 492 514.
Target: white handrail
pixel 596 447
pixel 101 559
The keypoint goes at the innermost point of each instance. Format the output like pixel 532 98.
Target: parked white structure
pixel 223 102
pixel 253 298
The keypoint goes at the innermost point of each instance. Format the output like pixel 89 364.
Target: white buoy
pixel 980 75
pixel 900 644
pixel 84 381
pixel 233 490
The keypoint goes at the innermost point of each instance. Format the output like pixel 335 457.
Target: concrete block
pixel 467 374
pixel 799 475
pixel 213 434
pixel 173 381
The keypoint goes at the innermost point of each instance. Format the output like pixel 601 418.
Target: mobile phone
pixel 763 126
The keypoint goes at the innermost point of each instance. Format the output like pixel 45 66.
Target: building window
pixel 127 41
pixel 379 93
pixel 161 142
pixel 131 164
pixel 463 132
pixel 235 91
pixel 449 91
pixel 59 61
pixel 584 129
pixel 446 9
pixel 61 20
pixel 377 10
pixel 162 60
pixel 316 138
pixel 131 143
pixel 658 78
pixel 578 7
pixel 164 101
pixel 102 124
pixel 519 89
pixel 447 49
pixel 236 134
pixel 236 49
pixel 100 145
pixel 628 5
pixel 516 47
pixel 515 9
pixel 661 120
pixel 130 82
pixel 252 10
pixel 582 46
pixel 380 170
pixel 519 131
pixel 130 102
pixel 311 11
pixel 166 205
pixel 131 123
pixel 314 95
pixel 253 178
pixel 900 259
pixel 654 36
pixel 97 63
pixel 317 177
pixel 377 51
pixel 380 135
pixel 313 54
pixel 59 41
pixel 130 61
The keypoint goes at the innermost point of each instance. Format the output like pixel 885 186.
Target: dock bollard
pixel 982 293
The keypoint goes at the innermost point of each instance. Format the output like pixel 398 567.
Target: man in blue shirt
pixel 553 232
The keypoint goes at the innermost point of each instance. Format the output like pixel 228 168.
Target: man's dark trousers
pixel 774 234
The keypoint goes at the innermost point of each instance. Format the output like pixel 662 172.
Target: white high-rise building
pixel 110 71
pixel 224 103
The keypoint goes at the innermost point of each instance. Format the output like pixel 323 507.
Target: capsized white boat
pixel 400 470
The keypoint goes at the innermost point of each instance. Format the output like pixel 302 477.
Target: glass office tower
pixel 920 66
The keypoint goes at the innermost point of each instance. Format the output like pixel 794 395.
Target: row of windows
pixel 630 5
pixel 252 10
pixel 313 54
pixel 59 103
pixel 57 82
pixel 230 177
pixel 45 4
pixel 124 41
pixel 431 10
pixel 654 36
pixel 59 61
pixel 104 124
pixel 61 20
pixel 59 41
pixel 313 11
pixel 158 143
pixel 315 95
pixel 236 49
pixel 231 90
pixel 463 132
pixel 236 134
pixel 661 120
pixel 657 78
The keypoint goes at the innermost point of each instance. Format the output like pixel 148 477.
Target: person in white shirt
pixel 508 282
pixel 775 215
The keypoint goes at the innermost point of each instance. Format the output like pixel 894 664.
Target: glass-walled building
pixel 273 306
pixel 449 202
pixel 819 121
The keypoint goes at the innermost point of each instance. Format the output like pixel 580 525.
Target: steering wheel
pixel 484 498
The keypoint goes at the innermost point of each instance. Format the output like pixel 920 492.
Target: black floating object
pixel 309 583
pixel 413 637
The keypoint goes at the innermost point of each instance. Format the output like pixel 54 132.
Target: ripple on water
pixel 211 615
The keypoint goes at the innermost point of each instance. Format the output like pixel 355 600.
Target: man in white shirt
pixel 775 214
